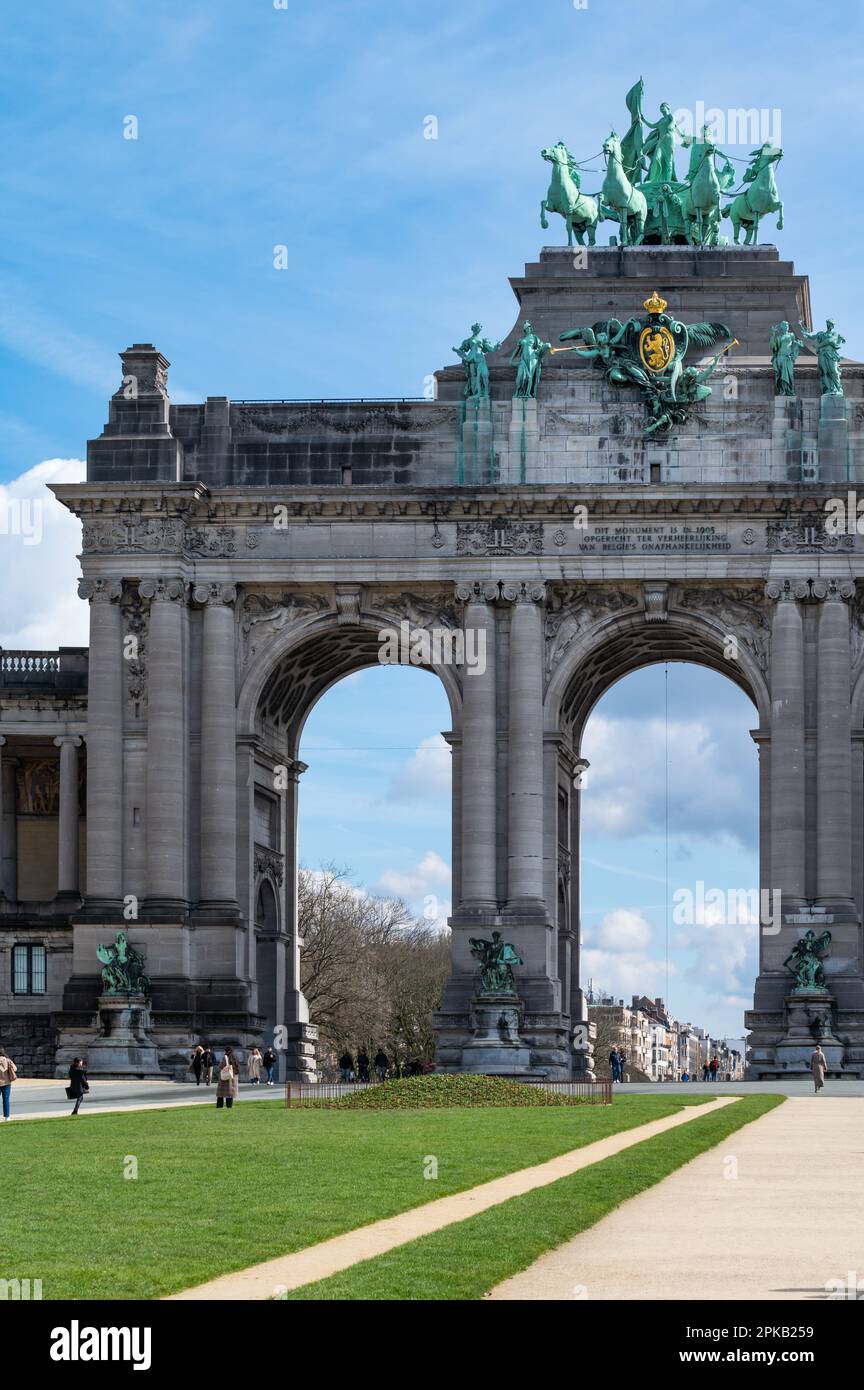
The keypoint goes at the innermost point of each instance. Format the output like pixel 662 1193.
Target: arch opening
pixel 669 864
pixel 327 707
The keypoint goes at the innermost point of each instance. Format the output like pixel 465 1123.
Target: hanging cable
pixel 666 768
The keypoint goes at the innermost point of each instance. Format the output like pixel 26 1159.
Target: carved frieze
pixel 269 864
pixel 263 615
pixel 805 537
pixel 162 536
pixel 149 536
pixel 502 537
pixel 211 540
pixel 739 611
pixel 434 609
pixel 577 610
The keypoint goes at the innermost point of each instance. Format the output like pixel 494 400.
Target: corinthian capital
pixel 163 590
pixel 524 591
pixel 477 591
pixel 787 590
pixel 215 593
pixel 100 590
pixel 834 590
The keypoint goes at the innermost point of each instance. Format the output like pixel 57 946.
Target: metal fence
pixel 298 1093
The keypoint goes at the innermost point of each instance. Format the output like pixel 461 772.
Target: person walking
pixel 8 1074
pixel 715 1067
pixel 269 1062
pixel 363 1066
pixel 381 1064
pixel 706 1070
pixel 196 1064
pixel 622 1062
pixel 228 1084
pixel 818 1067
pixel 614 1064
pixel 208 1062
pixel 254 1063
pixel 346 1066
pixel 78 1083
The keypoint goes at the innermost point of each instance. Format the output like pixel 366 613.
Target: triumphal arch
pixel 649 467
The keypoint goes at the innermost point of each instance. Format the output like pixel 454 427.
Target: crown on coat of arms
pixel 656 304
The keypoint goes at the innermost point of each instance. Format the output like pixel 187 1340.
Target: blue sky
pixel 304 127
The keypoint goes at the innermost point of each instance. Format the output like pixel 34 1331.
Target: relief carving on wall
pixel 575 611
pixel 809 537
pixel 501 537
pixel 163 536
pixel 740 611
pixel 152 535
pixel 263 615
pixel 435 609
pixel 135 615
pixel 269 864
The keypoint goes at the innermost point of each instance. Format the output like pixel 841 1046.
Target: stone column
pixel 525 799
pixel 479 753
pixel 104 747
pixel 834 748
pixel 166 748
pixel 763 749
pixel 787 745
pixel 218 751
pixel 67 835
pixel 8 826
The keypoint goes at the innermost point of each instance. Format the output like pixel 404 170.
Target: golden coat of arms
pixel 656 347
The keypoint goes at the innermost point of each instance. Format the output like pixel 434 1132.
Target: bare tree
pixel 372 975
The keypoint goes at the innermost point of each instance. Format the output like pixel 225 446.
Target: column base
pixel 528 911
pixel 101 910
pixel 216 911
pixel 69 900
pixel 165 909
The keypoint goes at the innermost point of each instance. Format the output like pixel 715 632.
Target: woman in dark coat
pixel 78 1084
pixel 228 1087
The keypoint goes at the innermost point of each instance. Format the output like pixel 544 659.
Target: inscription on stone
pixel 660 539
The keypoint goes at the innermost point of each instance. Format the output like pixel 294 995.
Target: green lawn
pixel 463 1261
pixel 219 1190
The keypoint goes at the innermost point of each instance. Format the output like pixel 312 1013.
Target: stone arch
pixel 611 649
pixel 289 675
pixel 629 638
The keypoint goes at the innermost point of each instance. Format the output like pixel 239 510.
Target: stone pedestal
pixel 833 439
pixel 793 1052
pixel 524 440
pixel 497 1048
pixel 297 1061
pixel 123 1047
pixel 787 439
pixel 476 454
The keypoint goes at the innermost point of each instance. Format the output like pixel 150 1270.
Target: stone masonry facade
pixel 239 557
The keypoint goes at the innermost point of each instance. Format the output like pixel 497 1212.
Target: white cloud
pixel 425 887
pixel 426 775
pixel 624 974
pixel 39 544
pixel 624 788
pixel 623 930
pixel 723 956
